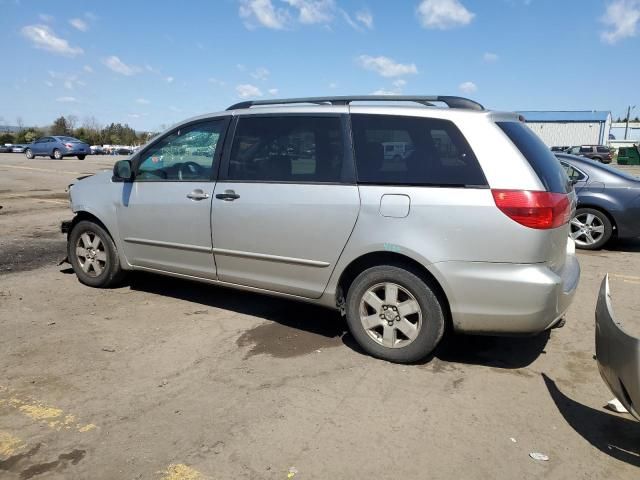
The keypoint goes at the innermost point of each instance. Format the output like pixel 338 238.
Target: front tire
pixel 591 229
pixel 394 314
pixel 93 255
pixel 29 154
pixel 57 154
pixel 81 157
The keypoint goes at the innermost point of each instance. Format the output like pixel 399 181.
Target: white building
pixel 566 129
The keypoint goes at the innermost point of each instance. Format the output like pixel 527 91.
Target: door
pixel 39 146
pixel 164 214
pixel 286 202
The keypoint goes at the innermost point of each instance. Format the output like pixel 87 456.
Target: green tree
pixel 7 138
pixel 60 127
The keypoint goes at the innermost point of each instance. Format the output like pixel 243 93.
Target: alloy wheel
pixel 91 254
pixel 390 315
pixel 586 229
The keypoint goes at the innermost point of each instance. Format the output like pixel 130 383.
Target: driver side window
pixel 187 154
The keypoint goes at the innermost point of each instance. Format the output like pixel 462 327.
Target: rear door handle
pixel 197 195
pixel 228 196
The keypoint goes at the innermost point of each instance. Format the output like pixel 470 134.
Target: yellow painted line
pixel 41 169
pixel 631 281
pixel 9 444
pixel 628 277
pixel 53 417
pixel 179 471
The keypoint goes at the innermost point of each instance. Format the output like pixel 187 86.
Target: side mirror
pixel 122 171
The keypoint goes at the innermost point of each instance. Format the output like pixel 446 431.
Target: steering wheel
pixel 191 168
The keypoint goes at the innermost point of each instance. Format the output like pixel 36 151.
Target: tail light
pixel 539 210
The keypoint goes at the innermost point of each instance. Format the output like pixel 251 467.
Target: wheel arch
pixel 377 258
pixel 81 215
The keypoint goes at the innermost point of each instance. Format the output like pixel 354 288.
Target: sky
pixel 151 64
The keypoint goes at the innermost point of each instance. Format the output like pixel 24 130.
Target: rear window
pixel 603 150
pixel 397 150
pixel 543 162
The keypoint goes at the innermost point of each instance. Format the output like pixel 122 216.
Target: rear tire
pixel 57 154
pixel 394 314
pixel 591 229
pixel 81 157
pixel 597 159
pixel 29 154
pixel 94 256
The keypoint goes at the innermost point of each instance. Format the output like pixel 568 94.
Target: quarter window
pixel 573 174
pixel 413 151
pixel 187 154
pixel 288 149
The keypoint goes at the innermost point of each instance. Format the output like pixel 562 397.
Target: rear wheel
pixel 93 255
pixel 81 157
pixel 57 154
pixel 394 315
pixel 590 228
pixel 29 153
pixel 596 159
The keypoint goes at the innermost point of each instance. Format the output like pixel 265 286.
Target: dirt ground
pixel 168 379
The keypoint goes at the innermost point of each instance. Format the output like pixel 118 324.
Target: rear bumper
pixel 618 354
pixel 504 298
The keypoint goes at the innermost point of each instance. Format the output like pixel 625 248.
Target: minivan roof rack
pixel 450 101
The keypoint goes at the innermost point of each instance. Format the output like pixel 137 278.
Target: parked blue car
pixel 608 202
pixel 58 147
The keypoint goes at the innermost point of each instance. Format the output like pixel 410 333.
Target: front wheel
pixel 93 255
pixel 394 315
pixel 590 228
pixel 57 154
pixel 29 153
pixel 81 157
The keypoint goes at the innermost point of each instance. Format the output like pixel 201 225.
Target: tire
pixel 81 157
pixel 591 229
pixel 29 154
pixel 57 154
pixel 51 157
pixel 101 268
pixel 596 159
pixel 427 324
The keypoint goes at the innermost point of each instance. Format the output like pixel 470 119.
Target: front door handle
pixel 198 194
pixel 228 196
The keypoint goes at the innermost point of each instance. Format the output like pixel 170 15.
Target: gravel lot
pixel 164 378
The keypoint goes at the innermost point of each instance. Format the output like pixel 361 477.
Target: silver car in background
pixel 468 231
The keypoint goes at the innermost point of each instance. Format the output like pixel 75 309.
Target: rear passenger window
pixel 586 150
pixel 543 162
pixel 397 150
pixel 603 150
pixel 291 148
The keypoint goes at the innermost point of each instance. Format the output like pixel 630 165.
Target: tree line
pixel 89 131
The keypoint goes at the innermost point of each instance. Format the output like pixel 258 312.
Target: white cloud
pixel 260 73
pixel 385 66
pixel 41 36
pixel 443 14
pixel 142 101
pixel 333 85
pixel 365 17
pixel 247 90
pixel 313 11
pixel 66 99
pixel 118 66
pixel 46 17
pixel 263 13
pixel 621 18
pixel 468 87
pixel 169 79
pixel 79 24
pixel 490 57
pixel 382 91
pixel 48 83
pixel 273 91
pixel 91 16
pixel 399 83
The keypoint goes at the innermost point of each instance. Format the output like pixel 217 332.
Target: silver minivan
pixel 468 231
